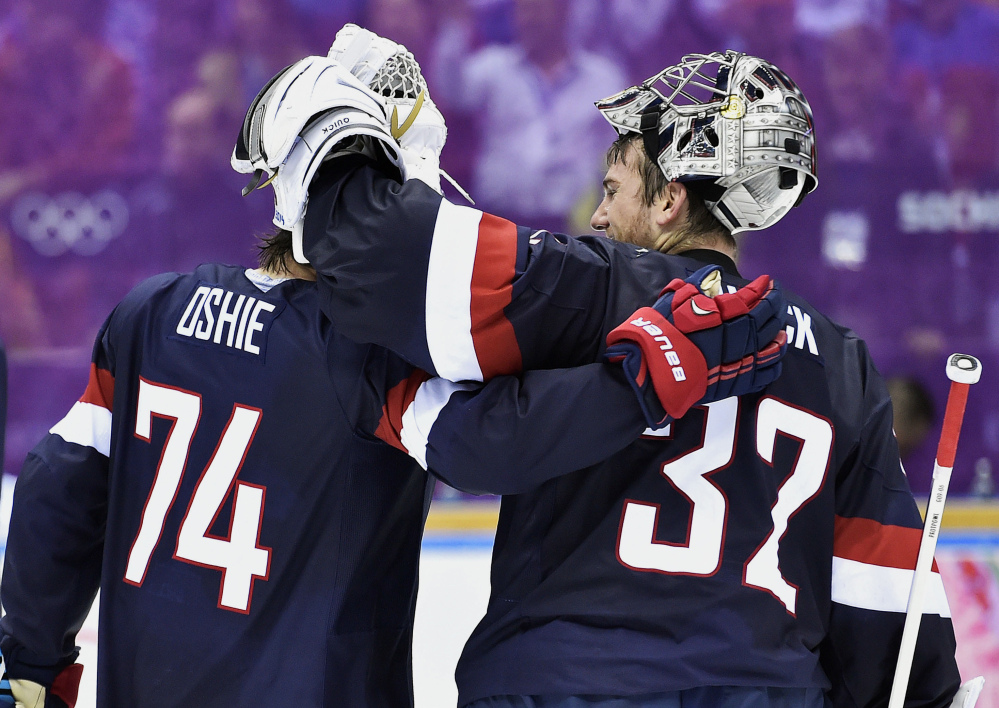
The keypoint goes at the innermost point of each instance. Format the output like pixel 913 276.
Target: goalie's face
pixel 623 213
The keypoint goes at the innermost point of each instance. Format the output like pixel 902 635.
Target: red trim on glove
pixel 773 350
pixel 694 311
pixel 765 356
pixel 676 366
pixel 739 303
pixel 66 686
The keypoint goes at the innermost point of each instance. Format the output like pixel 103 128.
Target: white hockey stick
pixel 963 371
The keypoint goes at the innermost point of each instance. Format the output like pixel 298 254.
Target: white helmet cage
pixel 733 120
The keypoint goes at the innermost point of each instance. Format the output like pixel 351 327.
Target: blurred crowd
pixel 118 116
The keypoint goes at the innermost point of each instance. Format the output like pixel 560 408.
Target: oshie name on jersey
pixel 214 313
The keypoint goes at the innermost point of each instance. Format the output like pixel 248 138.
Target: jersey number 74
pixel 240 556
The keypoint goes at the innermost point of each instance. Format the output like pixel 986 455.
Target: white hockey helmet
pixel 734 120
pixel 298 117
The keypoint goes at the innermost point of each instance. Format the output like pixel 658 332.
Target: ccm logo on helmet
pixel 672 358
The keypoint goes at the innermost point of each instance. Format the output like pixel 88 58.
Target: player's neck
pixel 291 269
pixel 677 242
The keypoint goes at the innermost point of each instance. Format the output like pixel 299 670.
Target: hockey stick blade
pixel 963 371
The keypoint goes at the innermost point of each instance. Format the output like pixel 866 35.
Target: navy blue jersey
pixel 253 541
pixel 225 480
pixel 3 397
pixel 761 541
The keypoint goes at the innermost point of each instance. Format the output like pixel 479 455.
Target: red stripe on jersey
pixel 868 541
pixel 495 266
pixel 100 388
pixel 397 400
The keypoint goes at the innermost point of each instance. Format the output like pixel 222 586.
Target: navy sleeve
pixel 55 544
pixel 512 433
pixel 877 535
pixel 463 294
pixel 3 397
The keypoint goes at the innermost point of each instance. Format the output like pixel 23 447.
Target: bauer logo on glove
pixel 692 348
pixel 672 358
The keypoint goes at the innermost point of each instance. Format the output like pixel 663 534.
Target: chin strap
pixel 258 174
pixel 297 250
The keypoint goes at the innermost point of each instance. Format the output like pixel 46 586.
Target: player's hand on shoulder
pixel 741 335
pixel 393 73
pixel 698 345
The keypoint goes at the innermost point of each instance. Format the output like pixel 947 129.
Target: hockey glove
pixel 24 693
pixel 690 348
pixel 392 72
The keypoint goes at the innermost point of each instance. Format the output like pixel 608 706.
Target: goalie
pixel 232 479
pixel 755 554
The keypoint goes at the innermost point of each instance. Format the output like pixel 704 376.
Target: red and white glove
pixel 690 348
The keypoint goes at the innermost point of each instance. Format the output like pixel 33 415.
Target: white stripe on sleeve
pixel 449 293
pixel 86 424
pixel 420 416
pixel 876 587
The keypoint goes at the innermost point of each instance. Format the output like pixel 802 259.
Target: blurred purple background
pixel 117 118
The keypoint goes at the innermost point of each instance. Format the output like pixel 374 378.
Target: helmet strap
pixel 297 237
pixel 254 182
pixel 650 132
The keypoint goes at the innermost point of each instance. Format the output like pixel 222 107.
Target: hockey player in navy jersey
pixel 252 544
pixel 225 482
pixel 755 552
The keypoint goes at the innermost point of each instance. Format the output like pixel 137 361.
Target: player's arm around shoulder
pixel 484 438
pixel 463 294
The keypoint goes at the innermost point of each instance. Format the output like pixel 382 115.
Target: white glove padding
pixel 421 141
pixel 302 114
pixel 392 72
pixel 362 51
pixel 22 693
pixel 27 694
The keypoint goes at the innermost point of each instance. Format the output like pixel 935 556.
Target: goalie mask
pixel 732 119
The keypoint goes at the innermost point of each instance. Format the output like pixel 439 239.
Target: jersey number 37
pixel 637 547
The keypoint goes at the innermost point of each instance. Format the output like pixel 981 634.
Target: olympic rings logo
pixel 70 221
